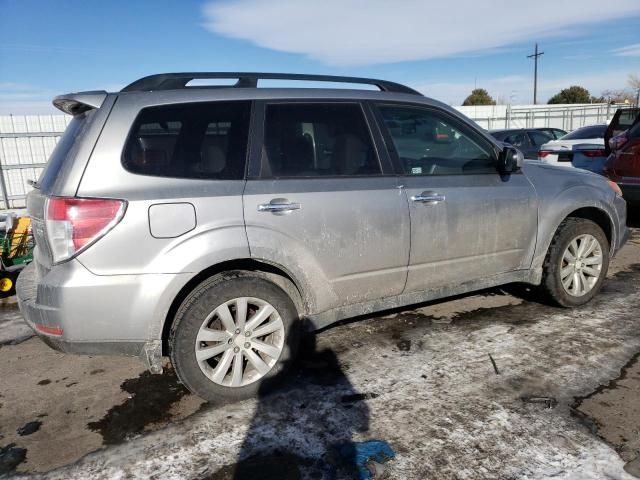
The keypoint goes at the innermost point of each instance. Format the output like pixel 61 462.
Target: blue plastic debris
pixel 362 454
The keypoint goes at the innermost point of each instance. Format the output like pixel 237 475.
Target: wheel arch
pixel 269 271
pixel 599 217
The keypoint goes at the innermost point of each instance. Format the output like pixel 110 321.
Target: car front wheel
pixel 576 263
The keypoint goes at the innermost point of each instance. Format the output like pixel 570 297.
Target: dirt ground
pixel 457 388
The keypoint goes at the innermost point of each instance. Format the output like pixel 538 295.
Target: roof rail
pixel 173 81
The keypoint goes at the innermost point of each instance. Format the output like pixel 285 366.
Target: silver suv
pixel 209 223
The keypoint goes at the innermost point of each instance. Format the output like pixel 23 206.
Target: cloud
pixel 365 32
pixel 628 51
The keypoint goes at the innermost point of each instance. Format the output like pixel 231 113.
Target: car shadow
pixel 314 408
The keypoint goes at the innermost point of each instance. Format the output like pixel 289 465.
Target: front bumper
pixel 623 232
pixel 75 311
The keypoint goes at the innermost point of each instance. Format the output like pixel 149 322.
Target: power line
pixel 535 56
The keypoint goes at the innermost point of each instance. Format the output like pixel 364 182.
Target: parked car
pixel 582 148
pixel 527 140
pixel 554 133
pixel 623 143
pixel 212 225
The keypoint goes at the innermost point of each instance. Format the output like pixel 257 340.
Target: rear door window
pixel 539 138
pixel 196 140
pixel 317 140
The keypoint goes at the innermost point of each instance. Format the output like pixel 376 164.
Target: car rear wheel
pixel 233 336
pixel 576 263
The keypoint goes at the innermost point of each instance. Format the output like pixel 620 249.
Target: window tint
pixel 429 143
pixel 596 131
pixel 540 138
pixel 311 140
pixel 197 140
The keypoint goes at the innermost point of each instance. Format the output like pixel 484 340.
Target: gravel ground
pixel 447 385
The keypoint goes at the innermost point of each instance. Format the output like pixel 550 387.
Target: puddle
pixel 10 457
pixel 150 401
pixel 29 428
pixel 612 411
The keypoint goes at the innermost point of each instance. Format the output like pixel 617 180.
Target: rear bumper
pixel 75 311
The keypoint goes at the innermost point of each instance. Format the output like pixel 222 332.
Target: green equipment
pixel 16 251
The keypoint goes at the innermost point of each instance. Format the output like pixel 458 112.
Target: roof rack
pixel 173 81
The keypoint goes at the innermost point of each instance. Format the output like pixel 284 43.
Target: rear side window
pixel 430 143
pixel 315 140
pixel 65 148
pixel 195 140
pixel 596 131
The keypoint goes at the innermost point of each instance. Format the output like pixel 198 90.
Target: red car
pixel 622 142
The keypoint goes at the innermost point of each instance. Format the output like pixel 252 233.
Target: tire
pixel 202 317
pixel 556 267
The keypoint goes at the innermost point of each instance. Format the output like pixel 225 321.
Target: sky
pixel 443 49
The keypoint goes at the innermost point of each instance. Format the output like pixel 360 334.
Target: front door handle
pixel 278 205
pixel 428 198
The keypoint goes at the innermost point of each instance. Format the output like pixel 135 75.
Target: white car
pixel 582 148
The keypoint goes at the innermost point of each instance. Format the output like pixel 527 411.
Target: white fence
pixel 26 141
pixel 567 117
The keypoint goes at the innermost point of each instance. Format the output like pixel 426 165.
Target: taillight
pixel 618 141
pixel 543 153
pixel 593 153
pixel 72 224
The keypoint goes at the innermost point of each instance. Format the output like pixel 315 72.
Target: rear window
pixel 65 148
pixel 196 140
pixel 595 131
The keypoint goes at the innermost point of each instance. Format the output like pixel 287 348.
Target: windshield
pixel 594 131
pixel 64 148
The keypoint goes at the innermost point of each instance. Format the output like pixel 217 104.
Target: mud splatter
pixel 404 345
pixel 150 401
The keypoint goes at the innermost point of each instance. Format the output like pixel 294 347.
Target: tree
pixel 619 96
pixel 634 83
pixel 479 96
pixel 573 94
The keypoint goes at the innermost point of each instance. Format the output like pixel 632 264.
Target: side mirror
pixel 510 160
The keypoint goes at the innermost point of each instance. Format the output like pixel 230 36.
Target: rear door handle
pixel 278 206
pixel 428 198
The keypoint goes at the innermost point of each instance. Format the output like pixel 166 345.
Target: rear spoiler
pixel 76 103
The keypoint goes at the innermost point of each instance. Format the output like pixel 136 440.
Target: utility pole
pixel 535 56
